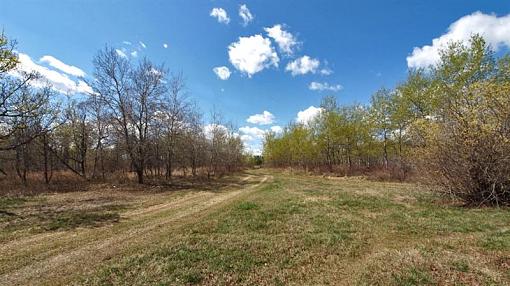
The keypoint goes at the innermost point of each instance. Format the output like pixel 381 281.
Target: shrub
pixel 468 150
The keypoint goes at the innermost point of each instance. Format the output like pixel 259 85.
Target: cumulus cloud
pixel 210 128
pixel 285 40
pixel 303 65
pixel 121 53
pixel 252 137
pixel 326 71
pixel 252 54
pixel 254 132
pixel 59 81
pixel 246 138
pixel 220 14
pixel 324 86
pixel 142 44
pixel 277 129
pixel 254 149
pixel 134 54
pixel 307 115
pixel 223 72
pixel 56 63
pixel 494 29
pixel 264 118
pixel 245 14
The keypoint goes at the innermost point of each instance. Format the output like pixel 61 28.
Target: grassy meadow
pixel 262 227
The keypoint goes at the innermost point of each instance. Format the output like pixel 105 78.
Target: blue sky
pixel 364 44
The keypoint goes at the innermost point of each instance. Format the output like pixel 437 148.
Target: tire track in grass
pixel 40 246
pixel 34 240
pixel 145 227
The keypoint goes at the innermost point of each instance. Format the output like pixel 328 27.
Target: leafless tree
pixel 98 114
pixel 132 94
pixel 176 117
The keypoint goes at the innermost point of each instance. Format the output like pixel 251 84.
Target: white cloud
pixel 265 118
pixel 246 138
pixel 83 87
pixel 277 129
pixel 252 54
pixel 126 43
pixel 60 82
pixel 165 45
pixel 220 14
pixel 324 86
pixel 134 54
pixel 285 40
pixel 210 128
pixel 326 71
pixel 56 63
pixel 254 132
pixel 245 14
pixel 494 29
pixel 252 138
pixel 307 115
pixel 303 66
pixel 223 72
pixel 142 44
pixel 156 71
pixel 254 150
pixel 121 53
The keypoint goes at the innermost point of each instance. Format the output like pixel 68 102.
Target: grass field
pixel 263 227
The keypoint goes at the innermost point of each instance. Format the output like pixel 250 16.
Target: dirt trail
pixel 59 256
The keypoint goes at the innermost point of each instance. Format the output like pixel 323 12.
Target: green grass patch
pixel 498 240
pixel 41 216
pixel 461 265
pixel 73 219
pixel 246 206
pixel 10 202
pixel 181 264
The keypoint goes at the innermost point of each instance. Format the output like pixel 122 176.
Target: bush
pixel 468 149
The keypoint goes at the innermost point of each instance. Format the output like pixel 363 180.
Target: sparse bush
pixel 464 143
pixel 468 153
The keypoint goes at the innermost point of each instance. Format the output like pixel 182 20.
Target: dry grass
pixel 264 228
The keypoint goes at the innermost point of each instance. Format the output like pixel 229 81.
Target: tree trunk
pixel 169 165
pixel 385 155
pixel 139 174
pixel 47 168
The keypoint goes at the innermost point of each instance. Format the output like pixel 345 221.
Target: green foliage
pixel 254 160
pixel 466 142
pixel 449 121
pixel 8 59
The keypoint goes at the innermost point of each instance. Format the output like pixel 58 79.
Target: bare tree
pixel 135 119
pixel 176 113
pixel 132 95
pixel 98 114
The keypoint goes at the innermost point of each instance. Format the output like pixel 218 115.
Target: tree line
pixel 137 119
pixel 448 124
